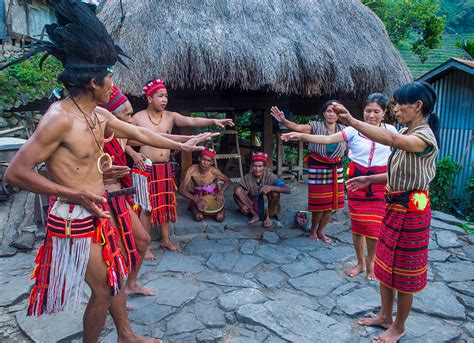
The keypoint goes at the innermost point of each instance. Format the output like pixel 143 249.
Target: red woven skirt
pixel 366 205
pixel 325 183
pixel 401 258
pixel 162 194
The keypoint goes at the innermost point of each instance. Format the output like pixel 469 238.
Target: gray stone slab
pixel 292 322
pixel 224 279
pixel 277 253
pixel 331 255
pixel 151 314
pixel 359 301
pixel 14 289
pixel 233 300
pixel 304 266
pixel 270 237
pixel 336 228
pixel 209 314
pixel 469 252
pixel 228 241
pixel 210 292
pixel 438 300
pixel 455 271
pixel 246 263
pixel 173 292
pixel 241 234
pixel 299 299
pixel 447 218
pixel 63 326
pixel 318 284
pixel 7 251
pixel 432 243
pixel 179 263
pixel 422 328
pixel 464 287
pixel 200 245
pixel 447 239
pixel 184 321
pixel 157 333
pixel 469 328
pixel 344 237
pixel 303 243
pixel 210 336
pixel 289 233
pixel 248 247
pixel 438 255
pixel 270 279
pixel 439 225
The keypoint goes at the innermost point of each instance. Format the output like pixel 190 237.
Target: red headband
pixel 259 157
pixel 151 87
pixel 209 153
pixel 115 100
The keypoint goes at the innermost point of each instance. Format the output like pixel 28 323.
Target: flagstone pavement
pixel 240 283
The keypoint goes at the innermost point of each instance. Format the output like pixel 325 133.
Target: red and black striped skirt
pixel 401 258
pixel 162 194
pixel 366 205
pixel 325 183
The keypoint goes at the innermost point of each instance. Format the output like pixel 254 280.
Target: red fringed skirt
pixel 162 194
pixel 401 258
pixel 366 205
pixel 325 183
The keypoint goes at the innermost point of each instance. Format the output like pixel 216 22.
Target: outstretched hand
pixel 222 123
pixel 342 113
pixel 89 201
pixel 291 136
pixel 192 143
pixel 357 183
pixel 277 114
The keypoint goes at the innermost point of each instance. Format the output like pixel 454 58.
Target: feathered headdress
pixel 78 39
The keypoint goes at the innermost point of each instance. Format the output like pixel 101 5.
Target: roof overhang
pixel 447 67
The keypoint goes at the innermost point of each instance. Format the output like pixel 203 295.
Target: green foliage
pixel 441 187
pixel 467 45
pixel 459 15
pixel 27 80
pixel 414 21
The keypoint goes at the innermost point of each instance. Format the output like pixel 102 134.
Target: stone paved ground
pixel 236 283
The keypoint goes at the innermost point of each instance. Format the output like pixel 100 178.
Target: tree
pixel 414 21
pixel 459 15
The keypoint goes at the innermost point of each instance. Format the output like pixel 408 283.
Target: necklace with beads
pixel 152 121
pixel 91 125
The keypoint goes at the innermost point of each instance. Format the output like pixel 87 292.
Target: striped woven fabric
pixel 162 194
pixel 325 183
pixel 118 205
pixel 366 205
pixel 401 259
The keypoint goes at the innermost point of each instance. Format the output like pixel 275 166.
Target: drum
pixel 212 206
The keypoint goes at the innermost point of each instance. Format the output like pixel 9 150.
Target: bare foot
pixel 314 235
pixel 128 307
pixel 254 219
pixel 138 289
pixel 170 246
pixel 134 338
pixel 324 238
pixel 149 256
pixel 370 271
pixel 376 321
pixel 391 335
pixel 356 270
pixel 267 222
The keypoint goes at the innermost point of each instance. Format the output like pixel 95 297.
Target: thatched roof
pixel 303 47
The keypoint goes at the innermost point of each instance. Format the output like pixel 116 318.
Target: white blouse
pixel 364 151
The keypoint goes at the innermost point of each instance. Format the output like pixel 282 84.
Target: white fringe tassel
pixel 141 197
pixel 68 272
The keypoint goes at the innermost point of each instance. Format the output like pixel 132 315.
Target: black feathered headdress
pixel 78 39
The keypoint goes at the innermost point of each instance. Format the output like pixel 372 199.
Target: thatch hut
pixel 251 54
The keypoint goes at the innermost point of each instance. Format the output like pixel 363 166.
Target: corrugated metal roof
pixel 447 67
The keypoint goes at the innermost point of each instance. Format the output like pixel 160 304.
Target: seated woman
pixel 256 188
pixel 201 180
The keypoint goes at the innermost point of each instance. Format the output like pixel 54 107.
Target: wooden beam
pixel 268 136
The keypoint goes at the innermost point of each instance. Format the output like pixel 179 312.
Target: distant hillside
pixel 447 50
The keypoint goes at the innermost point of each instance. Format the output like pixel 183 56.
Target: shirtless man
pixel 69 139
pixel 202 178
pixel 162 198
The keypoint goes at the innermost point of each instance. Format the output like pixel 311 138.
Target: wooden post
pixel 300 161
pixel 268 137
pixel 186 157
pixel 280 155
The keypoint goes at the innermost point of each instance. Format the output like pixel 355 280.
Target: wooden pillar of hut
pixel 186 157
pixel 268 137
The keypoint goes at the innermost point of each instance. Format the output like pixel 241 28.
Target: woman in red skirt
pixel 325 177
pixel 366 205
pixel 401 258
